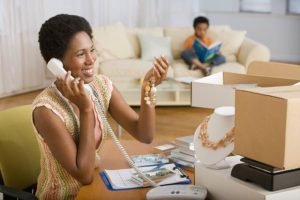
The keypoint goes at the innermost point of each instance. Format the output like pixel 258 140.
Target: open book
pixel 206 53
pixel 124 179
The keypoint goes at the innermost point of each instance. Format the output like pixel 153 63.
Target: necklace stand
pixel 223 164
pixel 220 123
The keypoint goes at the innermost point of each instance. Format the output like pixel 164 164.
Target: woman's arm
pixel 78 161
pixel 141 126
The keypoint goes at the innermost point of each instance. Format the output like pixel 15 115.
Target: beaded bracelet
pixel 150 92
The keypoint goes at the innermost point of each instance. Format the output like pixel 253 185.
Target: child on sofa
pixel 201 25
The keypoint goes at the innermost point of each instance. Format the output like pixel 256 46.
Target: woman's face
pixel 80 57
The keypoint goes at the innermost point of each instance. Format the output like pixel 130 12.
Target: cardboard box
pixel 274 69
pixel 267 125
pixel 219 89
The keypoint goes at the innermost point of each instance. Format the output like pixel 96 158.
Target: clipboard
pixel 179 178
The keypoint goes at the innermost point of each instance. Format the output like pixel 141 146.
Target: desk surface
pixel 112 159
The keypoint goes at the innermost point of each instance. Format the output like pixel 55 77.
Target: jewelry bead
pixel 153 90
pixel 147 88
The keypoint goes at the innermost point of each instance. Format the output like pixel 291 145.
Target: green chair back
pixel 19 152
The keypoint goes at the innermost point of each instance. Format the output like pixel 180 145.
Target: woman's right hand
pixel 74 91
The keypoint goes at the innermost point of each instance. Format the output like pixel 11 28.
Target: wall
pixel 279 31
pixel 22 69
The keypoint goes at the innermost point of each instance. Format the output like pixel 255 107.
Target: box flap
pixel 284 92
pixel 233 78
pixel 216 79
pixel 274 69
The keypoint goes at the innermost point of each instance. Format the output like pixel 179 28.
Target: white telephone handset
pixel 56 68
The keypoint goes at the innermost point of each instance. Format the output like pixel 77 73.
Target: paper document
pixel 121 179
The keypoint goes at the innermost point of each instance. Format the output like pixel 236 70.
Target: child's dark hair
pixel 199 20
pixel 56 33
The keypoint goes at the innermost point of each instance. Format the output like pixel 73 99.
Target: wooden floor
pixel 171 122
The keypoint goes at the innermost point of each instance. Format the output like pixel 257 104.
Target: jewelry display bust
pixel 213 139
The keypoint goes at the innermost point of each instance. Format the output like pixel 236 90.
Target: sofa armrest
pixel 251 50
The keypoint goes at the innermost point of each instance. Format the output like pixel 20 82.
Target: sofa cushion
pixel 152 46
pixel 112 42
pixel 181 69
pixel 127 68
pixel 232 41
pixel 229 67
pixel 133 33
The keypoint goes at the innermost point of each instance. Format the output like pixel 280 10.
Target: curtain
pixel 21 65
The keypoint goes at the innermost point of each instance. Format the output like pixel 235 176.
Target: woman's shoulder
pixel 45 94
pixel 101 79
pixel 104 87
pixel 53 100
pixel 49 96
pixel 102 83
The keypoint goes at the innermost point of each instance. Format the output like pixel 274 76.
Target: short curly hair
pixel 200 20
pixel 56 33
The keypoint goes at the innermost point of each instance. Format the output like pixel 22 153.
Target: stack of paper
pixel 184 154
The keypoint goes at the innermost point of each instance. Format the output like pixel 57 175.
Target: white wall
pixel 279 31
pixel 22 68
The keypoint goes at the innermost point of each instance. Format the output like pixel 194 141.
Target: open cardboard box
pixel 267 125
pixel 219 89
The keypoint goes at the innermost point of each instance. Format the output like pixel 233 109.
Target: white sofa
pixel 120 55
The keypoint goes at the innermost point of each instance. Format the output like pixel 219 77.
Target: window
pixel 260 6
pixel 294 6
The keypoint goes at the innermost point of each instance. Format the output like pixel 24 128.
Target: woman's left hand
pixel 158 71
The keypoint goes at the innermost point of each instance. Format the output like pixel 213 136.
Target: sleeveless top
pixel 54 182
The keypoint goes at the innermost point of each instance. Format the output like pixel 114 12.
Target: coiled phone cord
pixel 117 142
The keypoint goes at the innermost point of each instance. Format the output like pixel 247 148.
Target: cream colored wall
pixel 278 30
pixel 280 33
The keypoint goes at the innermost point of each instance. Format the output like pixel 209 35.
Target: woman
pixel 67 119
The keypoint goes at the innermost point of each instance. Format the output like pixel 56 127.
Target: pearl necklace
pixel 227 139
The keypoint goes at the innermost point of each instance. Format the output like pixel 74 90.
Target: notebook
pixel 122 179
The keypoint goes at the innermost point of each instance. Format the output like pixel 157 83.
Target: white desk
pixel 221 186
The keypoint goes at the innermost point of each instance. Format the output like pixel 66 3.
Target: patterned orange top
pixel 54 182
pixel 188 43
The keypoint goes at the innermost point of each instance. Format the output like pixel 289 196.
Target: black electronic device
pixel 266 176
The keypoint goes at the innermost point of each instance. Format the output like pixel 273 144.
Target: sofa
pixel 126 54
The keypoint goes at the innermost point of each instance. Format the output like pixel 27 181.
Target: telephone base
pixel 180 192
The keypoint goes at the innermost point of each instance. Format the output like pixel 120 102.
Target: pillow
pixel 218 28
pixel 112 42
pixel 178 36
pixel 152 46
pixel 133 33
pixel 231 39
